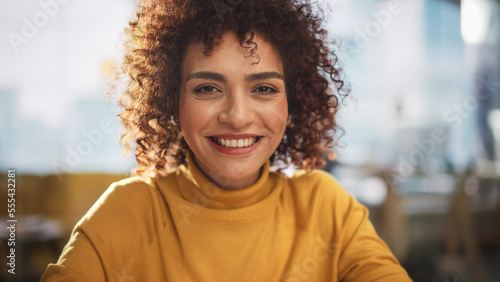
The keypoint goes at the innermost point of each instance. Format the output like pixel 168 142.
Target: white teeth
pixel 236 143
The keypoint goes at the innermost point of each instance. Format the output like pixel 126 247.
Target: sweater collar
pixel 195 187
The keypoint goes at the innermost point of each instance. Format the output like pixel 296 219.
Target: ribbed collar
pixel 205 199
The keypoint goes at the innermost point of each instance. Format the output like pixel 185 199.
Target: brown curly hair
pixel 154 51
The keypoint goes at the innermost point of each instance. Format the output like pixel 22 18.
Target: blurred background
pixel 422 125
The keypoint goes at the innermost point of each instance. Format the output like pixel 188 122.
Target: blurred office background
pixel 422 125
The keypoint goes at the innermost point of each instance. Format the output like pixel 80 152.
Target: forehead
pixel 230 56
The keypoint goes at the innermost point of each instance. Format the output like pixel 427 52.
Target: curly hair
pixel 154 52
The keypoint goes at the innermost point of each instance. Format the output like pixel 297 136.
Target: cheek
pixel 186 120
pixel 193 116
pixel 276 118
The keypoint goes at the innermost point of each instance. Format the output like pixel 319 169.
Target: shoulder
pixel 314 177
pixel 121 225
pixel 320 202
pixel 129 195
pixel 133 187
pixel 319 184
pixel 125 217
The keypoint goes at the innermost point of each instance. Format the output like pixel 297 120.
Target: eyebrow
pixel 206 75
pixel 220 77
pixel 265 75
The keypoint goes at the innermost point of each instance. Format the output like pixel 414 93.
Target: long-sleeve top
pixel 183 227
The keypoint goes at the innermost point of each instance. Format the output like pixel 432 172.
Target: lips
pixel 235 144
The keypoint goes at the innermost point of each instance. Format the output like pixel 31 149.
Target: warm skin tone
pixel 232 109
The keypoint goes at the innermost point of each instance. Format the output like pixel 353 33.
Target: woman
pixel 219 91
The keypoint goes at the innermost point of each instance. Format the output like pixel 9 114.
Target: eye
pixel 266 89
pixel 206 89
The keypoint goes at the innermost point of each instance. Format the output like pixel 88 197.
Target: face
pixel 232 109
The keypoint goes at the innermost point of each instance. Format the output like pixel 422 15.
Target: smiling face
pixel 232 109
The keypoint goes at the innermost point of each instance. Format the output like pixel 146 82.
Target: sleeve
pixel 358 254
pixel 117 227
pixel 78 262
pixel 364 256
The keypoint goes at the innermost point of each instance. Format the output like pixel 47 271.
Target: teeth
pixel 236 143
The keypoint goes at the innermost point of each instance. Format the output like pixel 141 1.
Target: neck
pixel 227 183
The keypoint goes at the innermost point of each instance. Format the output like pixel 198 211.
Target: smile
pixel 235 143
pixel 231 144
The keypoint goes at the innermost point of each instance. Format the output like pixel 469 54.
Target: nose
pixel 237 111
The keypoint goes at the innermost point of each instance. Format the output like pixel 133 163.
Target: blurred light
pixel 471 186
pixel 373 192
pixel 475 19
pixel 42 104
pixel 494 122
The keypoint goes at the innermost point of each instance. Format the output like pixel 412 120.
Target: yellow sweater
pixel 184 228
